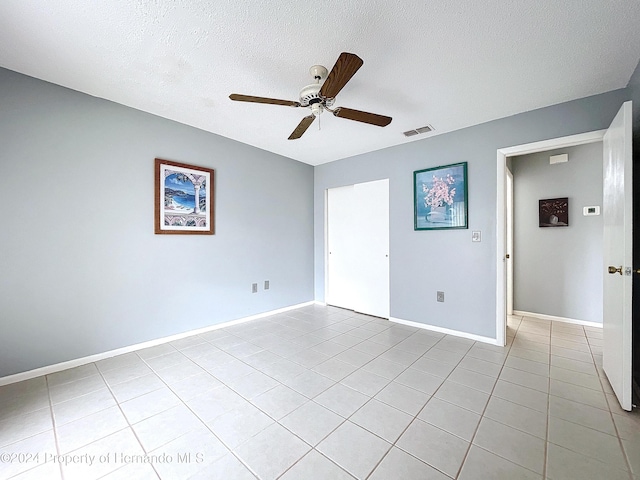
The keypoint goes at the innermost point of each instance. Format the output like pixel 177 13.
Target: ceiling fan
pixel 320 97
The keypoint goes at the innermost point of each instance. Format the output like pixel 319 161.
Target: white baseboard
pixel 542 316
pixel 58 367
pixel 457 333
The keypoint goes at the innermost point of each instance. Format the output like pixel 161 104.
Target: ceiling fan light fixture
pixel 316 109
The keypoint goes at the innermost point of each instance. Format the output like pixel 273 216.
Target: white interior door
pixel 358 247
pixel 618 237
pixel 371 285
pixel 341 245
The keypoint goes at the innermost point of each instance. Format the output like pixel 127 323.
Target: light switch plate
pixel 476 236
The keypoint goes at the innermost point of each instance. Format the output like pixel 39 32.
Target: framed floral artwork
pixel 440 197
pixel 184 198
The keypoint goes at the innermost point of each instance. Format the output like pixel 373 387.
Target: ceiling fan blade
pixel 364 117
pixel 302 127
pixel 346 66
pixel 271 101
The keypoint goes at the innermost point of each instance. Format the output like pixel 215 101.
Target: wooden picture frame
pixel 183 199
pixel 440 197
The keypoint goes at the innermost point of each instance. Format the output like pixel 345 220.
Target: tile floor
pixel 323 393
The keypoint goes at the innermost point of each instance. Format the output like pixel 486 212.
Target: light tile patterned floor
pixel 323 393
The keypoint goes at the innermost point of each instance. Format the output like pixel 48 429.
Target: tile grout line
pixel 367 402
pixel 345 419
pixel 546 433
pixel 53 422
pixel 245 338
pixel 373 398
pixel 130 426
pixel 30 455
pixel 609 465
pixel 194 413
pixel 313 447
pixel 475 432
pixel 393 444
pixel 223 383
pixel 613 421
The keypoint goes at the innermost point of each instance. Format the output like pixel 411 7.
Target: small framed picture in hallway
pixel 553 212
pixel 184 198
pixel 440 197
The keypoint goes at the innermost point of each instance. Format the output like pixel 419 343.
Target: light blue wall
pixel 426 261
pixel 558 271
pixel 81 270
pixel 83 273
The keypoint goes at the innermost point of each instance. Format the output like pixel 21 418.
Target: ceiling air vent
pixel 418 131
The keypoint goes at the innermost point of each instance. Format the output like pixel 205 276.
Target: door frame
pixel 501 212
pixel 509 239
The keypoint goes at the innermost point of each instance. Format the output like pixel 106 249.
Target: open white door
pixel 617 248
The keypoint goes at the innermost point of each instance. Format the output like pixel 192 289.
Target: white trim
pixel 448 331
pixel 502 154
pixel 19 377
pixel 553 143
pixel 318 302
pixel 542 316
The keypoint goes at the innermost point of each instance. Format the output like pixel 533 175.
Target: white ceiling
pixel 448 63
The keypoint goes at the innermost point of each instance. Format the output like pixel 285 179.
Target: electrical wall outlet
pixel 266 284
pixel 476 236
pixel 254 288
pixel 440 296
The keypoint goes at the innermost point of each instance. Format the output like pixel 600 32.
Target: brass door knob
pixel 614 270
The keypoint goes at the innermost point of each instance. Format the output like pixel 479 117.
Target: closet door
pixel 358 241
pixel 341 246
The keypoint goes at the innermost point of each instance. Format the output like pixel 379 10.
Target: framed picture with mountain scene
pixel 184 199
pixel 440 197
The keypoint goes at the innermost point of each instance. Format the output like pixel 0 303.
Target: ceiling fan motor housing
pixel 309 95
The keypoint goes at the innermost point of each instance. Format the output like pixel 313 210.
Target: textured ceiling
pixel 447 63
